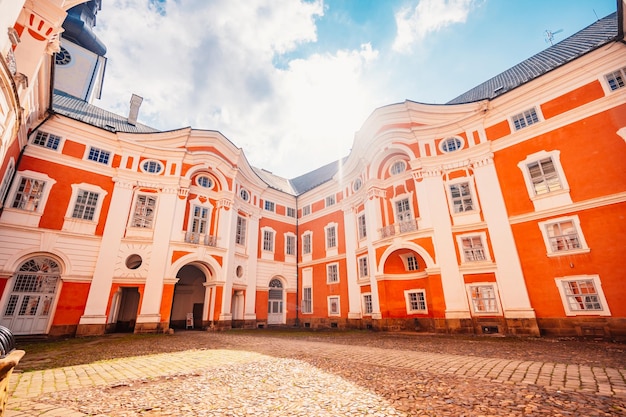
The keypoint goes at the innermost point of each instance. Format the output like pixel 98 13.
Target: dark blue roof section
pixel 80 110
pixel 592 37
pixel 312 179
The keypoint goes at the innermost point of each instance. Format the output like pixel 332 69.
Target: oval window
pixel 204 181
pixel 243 193
pixel 398 167
pixel 451 144
pixel 152 167
pixel 356 185
pixel 133 261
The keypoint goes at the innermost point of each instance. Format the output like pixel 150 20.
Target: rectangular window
pixel 306 244
pixel 525 119
pixel 461 197
pixel 86 204
pixel 411 263
pixel 331 237
pixel 616 79
pixel 484 299
pixel 144 211
pixel 28 194
pixel 544 176
pixel 290 245
pixel 99 155
pixel 416 301
pixel 199 219
pixel 268 241
pixel 291 212
pixel 306 210
pixel 473 249
pixel 363 271
pixel 333 306
pixel 332 273
pixel 269 205
pixel 403 210
pixel 362 227
pixel 563 236
pixel 330 200
pixel 582 295
pixel 367 304
pixel 307 300
pixel 240 234
pixel 46 140
pixel 8 176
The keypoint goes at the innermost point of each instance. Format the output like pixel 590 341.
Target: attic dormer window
pixel 204 181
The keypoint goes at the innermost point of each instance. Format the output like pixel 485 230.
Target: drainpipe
pixel 297 270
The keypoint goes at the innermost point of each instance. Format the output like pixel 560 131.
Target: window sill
pixel 568 252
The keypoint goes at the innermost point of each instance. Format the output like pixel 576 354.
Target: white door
pixel 275 303
pixel 28 307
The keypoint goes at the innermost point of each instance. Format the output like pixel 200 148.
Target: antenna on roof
pixel 549 35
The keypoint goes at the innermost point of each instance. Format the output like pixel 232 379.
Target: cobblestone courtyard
pixel 281 373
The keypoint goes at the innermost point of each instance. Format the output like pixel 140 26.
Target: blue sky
pixel 291 81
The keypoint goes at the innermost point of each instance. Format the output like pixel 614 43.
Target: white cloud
pixel 428 16
pixel 209 65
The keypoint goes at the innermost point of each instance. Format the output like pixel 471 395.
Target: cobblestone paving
pixel 247 375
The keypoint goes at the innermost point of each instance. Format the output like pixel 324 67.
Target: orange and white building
pixel 502 211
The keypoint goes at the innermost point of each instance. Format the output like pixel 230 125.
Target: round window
pixel 133 261
pixel 204 181
pixel 62 57
pixel 356 185
pixel 243 193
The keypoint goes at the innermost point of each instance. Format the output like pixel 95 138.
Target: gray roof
pixel 592 37
pixel 274 181
pixel 80 110
pixel 312 179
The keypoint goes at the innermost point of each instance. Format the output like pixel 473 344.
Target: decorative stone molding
pixel 483 160
pixel 124 183
pixel 225 203
pixel 375 193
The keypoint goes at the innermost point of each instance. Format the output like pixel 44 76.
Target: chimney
pixel 135 102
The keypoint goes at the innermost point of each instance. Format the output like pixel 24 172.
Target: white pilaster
pixel 115 225
pixel 252 247
pixel 373 220
pixel 513 292
pixel 352 275
pixel 430 187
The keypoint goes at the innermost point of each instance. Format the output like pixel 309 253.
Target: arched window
pixel 398 167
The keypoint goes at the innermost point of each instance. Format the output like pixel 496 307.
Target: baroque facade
pixel 502 211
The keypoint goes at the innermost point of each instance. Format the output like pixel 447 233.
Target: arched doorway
pixel 29 306
pixel 275 304
pixel 189 296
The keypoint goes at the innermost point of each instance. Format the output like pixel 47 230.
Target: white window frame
pixel 269 206
pixel 79 225
pixel 240 230
pixel 100 152
pixel 291 212
pixel 268 240
pixel 331 236
pixel 290 244
pixel 307 243
pixel 472 192
pixel 361 222
pixel 307 283
pixel 137 216
pixel 406 260
pixel 566 298
pixel 525 119
pixel 43 197
pixel 244 194
pixel 202 220
pixel 547 239
pixel 552 199
pixel 334 306
pixel 152 166
pixel 357 184
pixel 396 213
pixel 409 304
pixel 330 200
pixel 485 247
pixel 332 273
pixel 459 143
pixel 210 183
pixel 363 266
pixel 6 180
pixel 397 167
pixel 618 77
pixel 495 309
pixel 306 210
pixel 47 137
pixel 367 304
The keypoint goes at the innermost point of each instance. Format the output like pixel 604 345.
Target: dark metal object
pixel 7 341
